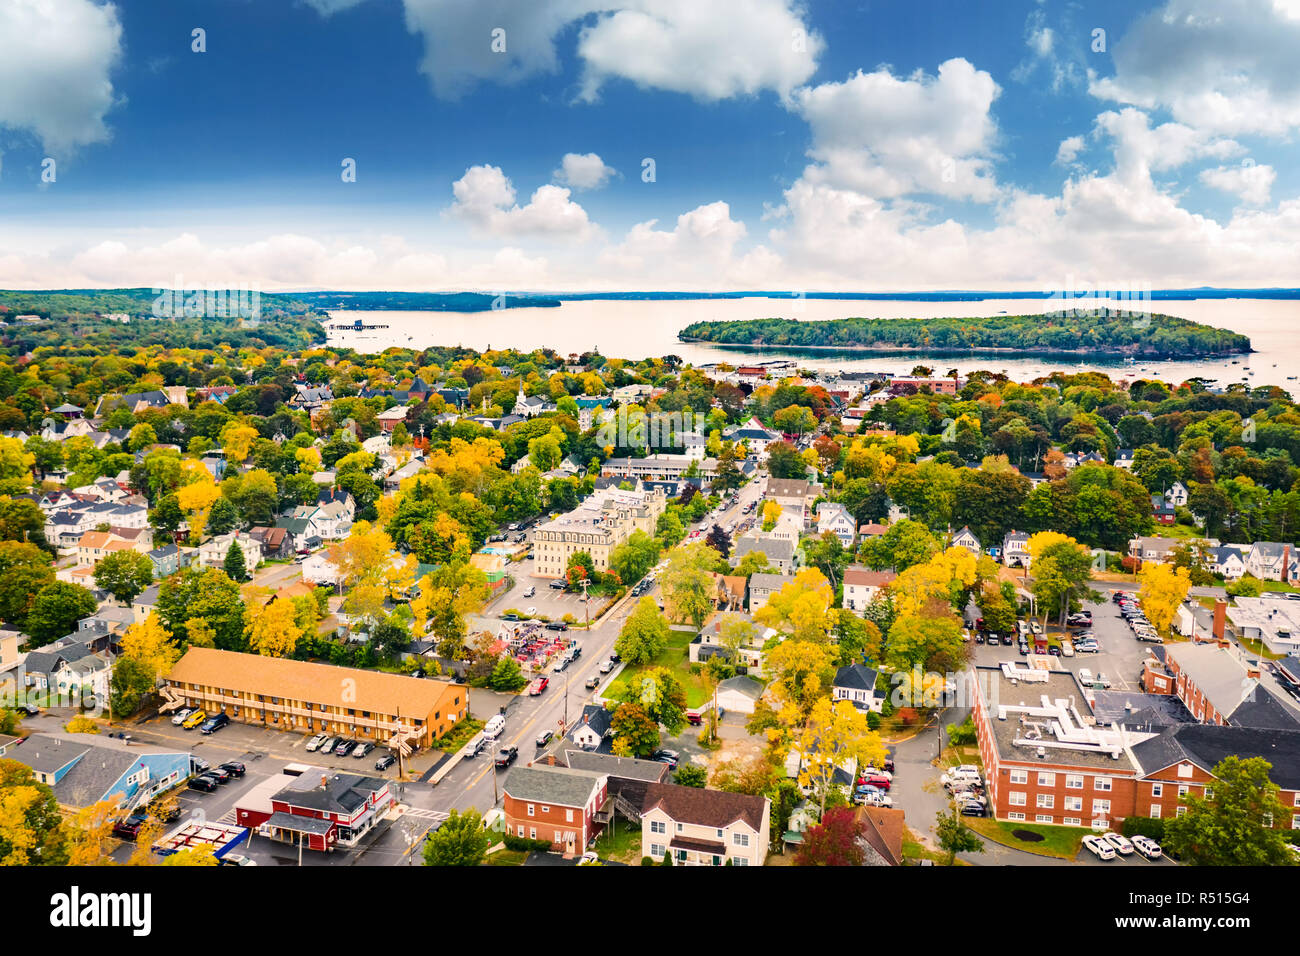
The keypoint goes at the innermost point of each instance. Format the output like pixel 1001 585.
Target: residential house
pixel 1156 549
pixel 592 730
pixel 1226 561
pixel 146 602
pixel 70 667
pixel 862 586
pixel 604 520
pixel 780 552
pixel 1015 549
pixel 557 804
pixel 754 435
pixel 1272 618
pixel 166 561
pixel 882 831
pixel 212 553
pixel 1273 561
pixel 763 585
pixel 390 418
pixel 856 683
pixel 965 538
pixel 94 546
pixel 835 518
pixel 275 542
pixel 739 694
pixel 795 496
pixel 704 827
pixel 85 769
pixel 1176 495
pixel 1124 458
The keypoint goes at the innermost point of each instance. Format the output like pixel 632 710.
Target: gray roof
pixel 343 792
pixel 779 549
pixel 856 677
pixel 298 824
pixel 627 767
pixel 769 582
pixel 1221 677
pixel 100 763
pixel 1207 744
pixel 751 688
pixel 560 786
pixel 595 717
pixel 1138 711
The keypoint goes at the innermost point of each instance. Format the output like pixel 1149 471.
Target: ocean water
pixel 640 328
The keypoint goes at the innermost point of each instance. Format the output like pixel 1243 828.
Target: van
pixel 1067 649
pixel 1085 677
pixel 492 729
pixel 1022 628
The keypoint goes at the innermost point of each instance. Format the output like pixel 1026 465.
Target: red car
pixel 538 686
pixel 875 780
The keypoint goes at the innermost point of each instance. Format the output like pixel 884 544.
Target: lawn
pixel 914 849
pixel 459 736
pixel 676 658
pixel 620 842
pixel 1062 842
pixel 506 858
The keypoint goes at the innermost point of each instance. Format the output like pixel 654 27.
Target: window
pixel 739 839
pixel 532 833
pixel 657 826
pixel 1101 808
pixel 1046 779
pixel 1182 789
pixel 1185 769
pixel 657 850
pixel 1016 799
pixel 545 808
pixel 1074 803
pixel 1268 820
pixel 1295 821
pixel 1180 811
pixel 1043 818
pixel 568 816
pixel 1015 816
pixel 530 809
pixel 1073 821
pixel 1022 776
pixel 1046 801
pixel 1209 793
pixel 679 828
pixel 521 830
pixel 1101 783
pixel 1154 811
pixel 1157 790
pixel 1074 781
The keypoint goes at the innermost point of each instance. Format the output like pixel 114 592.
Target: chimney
pixel 586 718
pixel 324 782
pixel 1220 619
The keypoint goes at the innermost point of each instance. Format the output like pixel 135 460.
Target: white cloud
pixel 583 171
pixel 1223 66
pixel 485 199
pixel 55 60
pixel 886 136
pixel 699 252
pixel 710 51
pixel 1069 149
pixel 1249 182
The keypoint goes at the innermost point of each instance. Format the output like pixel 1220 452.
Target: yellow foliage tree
pixel 273 629
pixel 802 672
pixel 151 644
pixel 771 514
pixel 237 441
pixel 91 834
pixel 836 736
pixel 308 460
pixel 800 610
pixel 1163 590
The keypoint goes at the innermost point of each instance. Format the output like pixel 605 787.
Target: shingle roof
pixel 560 786
pixel 628 768
pixel 856 677
pixel 709 808
pixel 1207 744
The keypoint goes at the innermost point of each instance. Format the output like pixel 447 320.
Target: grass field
pixel 620 842
pixel 1061 842
pixel 676 658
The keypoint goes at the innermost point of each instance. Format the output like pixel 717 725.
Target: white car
pixel 869 771
pixel 530 591
pixel 606 666
pixel 1099 847
pixel 314 744
pixel 1120 843
pixel 181 715
pixel 237 859
pixel 531 612
pixel 1148 847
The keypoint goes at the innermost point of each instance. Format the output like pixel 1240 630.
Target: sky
pixel 586 145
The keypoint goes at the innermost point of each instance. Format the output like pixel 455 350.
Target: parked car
pixel 1067 649
pixel 1120 843
pixel 556 626
pixel 972 809
pixel 592 682
pixel 510 616
pixel 670 757
pixel 1099 847
pixel 614 658
pixel 1007 640
pixel 344 748
pixel 878 780
pixel 217 774
pixel 544 738
pixel 506 756
pixel 314 744
pixel 329 743
pixel 181 715
pixel 195 718
pixel 234 768
pixel 1148 847
pixel 384 762
pixel 530 590
pixel 1054 650
pixel 560 665
pixel 363 749
pixel 128 827
pixel 205 784
pixel 236 859
pixel 558 585
pixel 1087 648
pixel 214 723
pixel 606 666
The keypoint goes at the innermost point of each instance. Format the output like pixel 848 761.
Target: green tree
pixel 644 635
pixel 124 574
pixel 954 836
pixel 1235 826
pixel 24 570
pixel 460 841
pixel 507 675
pixel 235 564
pixel 132 680
pixel 687 583
pixel 691 775
pixel 56 609
pixel 635 734
pixel 223 517
pixel 905 544
pixel 207 595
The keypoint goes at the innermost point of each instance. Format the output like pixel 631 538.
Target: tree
pixel 719 540
pixel 644 635
pixel 1163 590
pixel 223 517
pixel 31 831
pixel 634 731
pixel 24 571
pixel 933 643
pixel 507 675
pixel 904 544
pixel 687 583
pixel 834 736
pixel 22 520
pixel 235 564
pixel 771 512
pixel 954 836
pixel 131 682
pixel 1235 825
pixel 800 610
pixel 56 609
pixel 460 841
pixel 273 629
pixel 659 694
pixel 691 775
pixel 835 841
pixel 632 559
pixel 783 461
pixel 124 574
pixel 1062 570
pixel 208 596
pixel 150 644
pixel 802 672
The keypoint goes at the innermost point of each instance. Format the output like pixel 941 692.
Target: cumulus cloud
pixel 1069 149
pixel 485 199
pixel 56 57
pixel 887 136
pixel 1248 182
pixel 709 51
pixel 583 171
pixel 1223 66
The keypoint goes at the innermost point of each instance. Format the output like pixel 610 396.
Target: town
pixel 271 603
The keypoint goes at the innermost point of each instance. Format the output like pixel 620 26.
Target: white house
pixel 1176 495
pixel 212 553
pixel 319 569
pixel 861 585
pixel 739 694
pixel 1273 561
pixel 1015 549
pixel 965 538
pixel 704 827
pixel 835 518
pixel 857 684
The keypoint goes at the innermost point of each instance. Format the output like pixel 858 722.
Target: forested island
pixel 1112 333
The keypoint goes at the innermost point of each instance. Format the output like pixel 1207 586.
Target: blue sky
pixel 820 145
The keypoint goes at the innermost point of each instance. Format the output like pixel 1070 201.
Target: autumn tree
pixel 31 830
pixel 835 737
pixel 800 610
pixel 836 841
pixel 635 734
pixel 124 574
pixel 688 584
pixel 1163 590
pixel 273 629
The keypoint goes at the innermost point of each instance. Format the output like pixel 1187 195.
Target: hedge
pixel 524 844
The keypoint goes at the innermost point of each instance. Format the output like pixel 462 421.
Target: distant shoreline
pixel 1116 354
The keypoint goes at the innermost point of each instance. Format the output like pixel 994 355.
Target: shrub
pixel 647 861
pixel 959 735
pixel 1153 827
pixel 524 844
pixel 873 720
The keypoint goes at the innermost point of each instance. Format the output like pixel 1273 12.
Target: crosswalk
pixel 437 816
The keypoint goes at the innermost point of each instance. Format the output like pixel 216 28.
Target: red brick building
pixel 567 807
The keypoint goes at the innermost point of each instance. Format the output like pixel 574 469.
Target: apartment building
pixel 308 698
pixel 600 524
pixel 562 805
pixel 704 827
